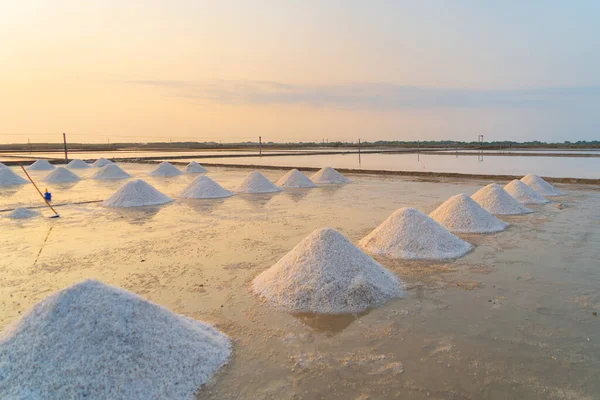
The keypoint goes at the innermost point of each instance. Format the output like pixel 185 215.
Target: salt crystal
pixel 461 214
pixel 256 182
pixel 136 193
pixel 409 234
pixel 326 273
pixel 524 194
pixel 498 201
pixel 329 175
pixel 97 341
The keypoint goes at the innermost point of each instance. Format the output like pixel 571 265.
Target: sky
pixel 233 70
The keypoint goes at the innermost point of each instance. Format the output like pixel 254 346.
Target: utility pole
pixel 480 140
pixel 359 146
pixel 260 145
pixel 65 143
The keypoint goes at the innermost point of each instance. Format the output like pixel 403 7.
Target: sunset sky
pixel 299 70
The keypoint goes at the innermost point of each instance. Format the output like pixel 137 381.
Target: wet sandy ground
pixel 512 319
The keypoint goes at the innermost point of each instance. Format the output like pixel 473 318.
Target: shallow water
pixel 512 319
pixel 564 167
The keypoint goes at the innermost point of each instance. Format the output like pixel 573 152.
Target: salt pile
pixel 205 188
pixel 41 165
pixel 2 165
pixel 101 162
pixel 110 172
pixel 96 341
pixel 326 273
pixel 329 175
pixel 9 178
pixel 462 214
pixel 22 213
pixel 195 168
pixel 498 201
pixel 540 185
pixel 295 179
pixel 411 235
pixel 61 175
pixel 136 194
pixel 256 182
pixel 524 194
pixel 77 164
pixel 165 169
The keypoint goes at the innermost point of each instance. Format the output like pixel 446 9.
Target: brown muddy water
pixel 513 319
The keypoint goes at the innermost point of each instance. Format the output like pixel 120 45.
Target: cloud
pixel 381 96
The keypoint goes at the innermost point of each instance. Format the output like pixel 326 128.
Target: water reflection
pixel 576 167
pixel 296 195
pixel 329 324
pixel 203 206
pixel 137 215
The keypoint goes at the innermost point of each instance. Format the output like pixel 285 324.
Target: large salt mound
pixel 22 213
pixel 326 273
pixel 498 201
pixel 136 194
pixel 41 165
pixel 9 178
pixel 110 172
pixel 329 175
pixel 295 179
pixel 411 235
pixel 77 164
pixel 205 188
pixel 256 182
pixel 461 214
pixel 165 169
pixel 524 194
pixel 2 165
pixel 195 168
pixel 101 162
pixel 96 341
pixel 61 175
pixel 540 185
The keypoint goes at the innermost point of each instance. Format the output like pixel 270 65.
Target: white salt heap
pixel 295 179
pixel 111 172
pixel 411 235
pixel 22 213
pixel 524 194
pixel 165 169
pixel 136 194
pixel 96 341
pixel 2 165
pixel 41 165
pixel 461 214
pixel 256 182
pixel 101 162
pixel 61 175
pixel 195 168
pixel 540 185
pixel 205 188
pixel 329 175
pixel 77 164
pixel 326 273
pixel 9 178
pixel 498 201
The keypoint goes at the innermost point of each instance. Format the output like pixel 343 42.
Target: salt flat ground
pixel 512 319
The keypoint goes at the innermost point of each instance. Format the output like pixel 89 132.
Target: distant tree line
pixel 190 145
